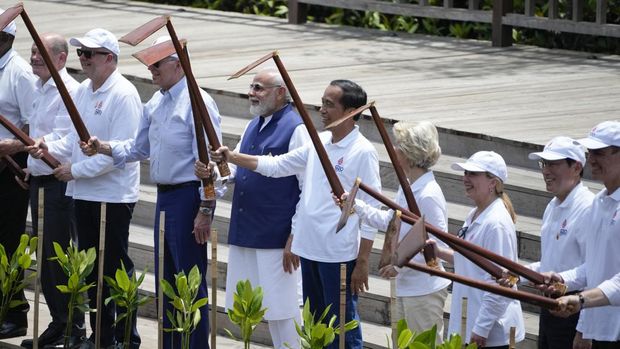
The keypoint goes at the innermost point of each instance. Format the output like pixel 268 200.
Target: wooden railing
pixel 502 18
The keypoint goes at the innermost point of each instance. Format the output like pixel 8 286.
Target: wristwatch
pixel 582 300
pixel 207 211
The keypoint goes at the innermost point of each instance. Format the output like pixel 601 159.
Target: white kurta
pixel 488 315
pixel 602 263
pixel 432 205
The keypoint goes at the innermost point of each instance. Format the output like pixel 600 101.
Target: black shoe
pixel 11 330
pixel 75 342
pixel 52 334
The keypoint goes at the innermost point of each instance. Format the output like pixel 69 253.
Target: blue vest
pixel 262 207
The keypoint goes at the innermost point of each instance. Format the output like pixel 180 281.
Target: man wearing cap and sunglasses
pixel 17 94
pixel 111 108
pixel 563 238
pixel 602 260
pixel 167 135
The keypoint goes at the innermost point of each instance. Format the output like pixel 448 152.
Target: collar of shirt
pixel 422 181
pixel 109 82
pixel 50 83
pixel 4 60
pixel 347 140
pixel 483 216
pixel 570 198
pixel 175 91
pixel 268 118
pixel 615 195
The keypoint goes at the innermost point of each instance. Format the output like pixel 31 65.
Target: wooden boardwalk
pixel 521 93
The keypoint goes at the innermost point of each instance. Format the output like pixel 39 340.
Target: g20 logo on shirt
pixel 98 107
pixel 339 167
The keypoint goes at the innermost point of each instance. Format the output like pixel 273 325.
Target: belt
pixel 43 179
pixel 162 188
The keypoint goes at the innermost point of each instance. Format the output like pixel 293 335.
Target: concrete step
pixel 524 185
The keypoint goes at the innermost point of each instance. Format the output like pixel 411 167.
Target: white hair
pixel 418 142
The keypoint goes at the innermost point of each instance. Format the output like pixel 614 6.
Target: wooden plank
pixel 611 30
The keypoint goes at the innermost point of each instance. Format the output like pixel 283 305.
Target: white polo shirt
pixel 317 215
pixel 432 205
pixel 110 113
pixel 50 119
pixel 17 91
pixel 488 315
pixel 563 237
pixel 602 263
pixel 611 289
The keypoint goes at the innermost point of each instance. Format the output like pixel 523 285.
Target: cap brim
pixel 463 166
pixel 592 143
pixel 547 155
pixel 86 42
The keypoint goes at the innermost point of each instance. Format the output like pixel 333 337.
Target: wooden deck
pixel 521 93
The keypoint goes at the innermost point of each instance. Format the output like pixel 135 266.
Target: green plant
pixel 186 308
pixel 315 333
pixel 124 292
pixel 247 310
pixel 12 270
pixel 408 339
pixel 77 265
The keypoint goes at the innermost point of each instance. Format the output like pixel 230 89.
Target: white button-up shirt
pixel 563 237
pixel 166 134
pixel 110 113
pixel 602 263
pixel 50 119
pixel 17 86
pixel 317 215
pixel 488 315
pixel 432 205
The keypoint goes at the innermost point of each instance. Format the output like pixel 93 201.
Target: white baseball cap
pixel 561 148
pixel 484 161
pixel 165 38
pixel 10 28
pixel 603 135
pixel 98 38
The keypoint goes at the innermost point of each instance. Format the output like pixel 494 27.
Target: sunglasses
pixel 259 87
pixel 542 163
pixel 462 232
pixel 88 54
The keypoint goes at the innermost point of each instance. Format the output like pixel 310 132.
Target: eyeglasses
pixel 259 87
pixel 471 173
pixel 462 232
pixel 158 63
pixel 88 54
pixel 542 163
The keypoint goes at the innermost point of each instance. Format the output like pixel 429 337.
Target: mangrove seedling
pixel 247 310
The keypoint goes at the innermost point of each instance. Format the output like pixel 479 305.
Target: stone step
pixel 528 232
pixel 524 185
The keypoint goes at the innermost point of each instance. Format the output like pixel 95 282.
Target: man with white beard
pixel 263 209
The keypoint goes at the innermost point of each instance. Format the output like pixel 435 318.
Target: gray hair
pixel 276 79
pixel 419 142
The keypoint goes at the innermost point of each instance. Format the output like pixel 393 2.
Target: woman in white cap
pixel 420 297
pixel 490 225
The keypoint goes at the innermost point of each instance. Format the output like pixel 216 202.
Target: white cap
pixel 10 28
pixel 98 38
pixel 561 148
pixel 484 161
pixel 603 135
pixel 164 38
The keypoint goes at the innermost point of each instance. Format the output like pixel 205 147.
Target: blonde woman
pixel 420 297
pixel 490 225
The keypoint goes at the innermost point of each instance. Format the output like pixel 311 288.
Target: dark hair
pixel 570 163
pixel 353 95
